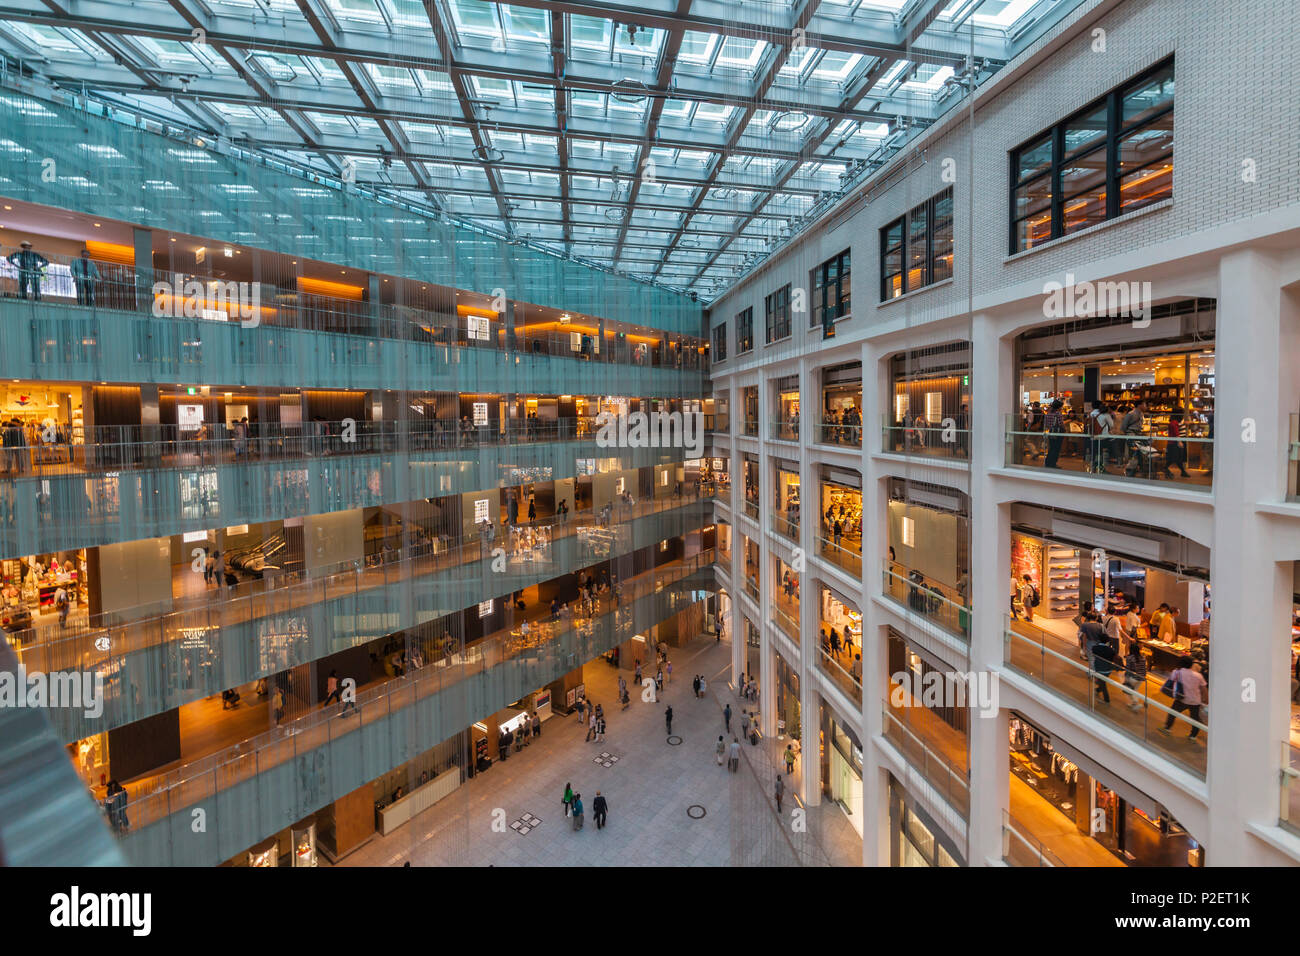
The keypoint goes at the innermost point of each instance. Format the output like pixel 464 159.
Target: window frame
pixel 745 331
pixel 778 319
pixel 904 247
pixel 1109 145
pixel 843 261
pixel 720 342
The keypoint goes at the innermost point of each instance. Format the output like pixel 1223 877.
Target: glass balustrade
pixel 1183 460
pixel 925 440
pixel 204 646
pixel 850 436
pixel 1134 710
pixel 932 599
pixel 289 771
pixel 850 682
pixel 846 558
pixel 1021 848
pixel 952 784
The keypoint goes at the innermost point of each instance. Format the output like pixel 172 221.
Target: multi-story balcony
pixel 152 662
pixel 925 755
pixel 252 788
pixel 131 335
pixel 1133 707
pixel 174 484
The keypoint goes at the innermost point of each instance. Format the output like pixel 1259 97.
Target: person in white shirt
pixel 1190 692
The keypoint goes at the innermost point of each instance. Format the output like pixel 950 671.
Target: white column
pixel 992 366
pixel 875 641
pixel 1250 626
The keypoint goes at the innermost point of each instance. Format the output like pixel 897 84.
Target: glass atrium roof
pixel 676 141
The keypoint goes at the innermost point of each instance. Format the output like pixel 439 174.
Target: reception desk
pixel 421 798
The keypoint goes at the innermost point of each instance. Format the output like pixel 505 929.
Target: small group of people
pixel 530 726
pixel 1111 433
pixel 595 724
pixel 574 809
pixel 731 753
pixel 843 427
pixel 747 687
pixel 699 685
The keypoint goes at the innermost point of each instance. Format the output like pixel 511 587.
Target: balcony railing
pixel 952 784
pixel 849 682
pixel 1134 710
pixel 122 288
pixel 785 431
pixel 849 436
pixel 783 525
pixel 1021 848
pixel 785 621
pixel 1186 461
pixel 937 602
pixel 925 440
pixel 249 778
pixel 752 509
pixel 749 428
pixel 846 558
pixel 154 659
pixel 119 448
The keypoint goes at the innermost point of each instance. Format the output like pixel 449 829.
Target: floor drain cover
pixel 675 740
pixel 696 812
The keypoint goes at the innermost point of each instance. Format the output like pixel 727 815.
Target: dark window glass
pixel 917 250
pixel 1112 157
pixel 778 314
pixel 720 342
pixel 745 331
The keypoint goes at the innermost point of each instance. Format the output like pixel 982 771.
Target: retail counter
pixel 418 800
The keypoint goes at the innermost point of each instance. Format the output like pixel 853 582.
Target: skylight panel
pixel 698 47
pixel 740 53
pixel 590 33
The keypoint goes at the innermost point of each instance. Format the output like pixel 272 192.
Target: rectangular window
pixel 778 314
pixel 745 331
pixel 830 292
pixel 916 249
pixel 1111 157
pixel 720 342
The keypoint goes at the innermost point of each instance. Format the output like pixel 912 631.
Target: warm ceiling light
pixel 173 239
pixel 9 207
pixel 97 225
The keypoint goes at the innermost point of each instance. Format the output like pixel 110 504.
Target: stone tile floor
pixel 649 790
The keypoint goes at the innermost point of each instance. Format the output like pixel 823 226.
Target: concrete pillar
pixel 992 365
pixel 875 647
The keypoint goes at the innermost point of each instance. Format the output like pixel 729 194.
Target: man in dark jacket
pixel 1090 632
pixel 29 264
pixel 668 719
pixel 599 807
pixel 1103 662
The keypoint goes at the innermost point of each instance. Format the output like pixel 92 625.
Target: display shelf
pixel 1062 598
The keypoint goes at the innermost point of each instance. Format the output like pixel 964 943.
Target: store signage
pixel 485 608
pixel 190 536
pixel 189 417
pixel 481 510
pixel 480 413
pixel 478 327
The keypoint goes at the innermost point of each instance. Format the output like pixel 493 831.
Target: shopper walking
pixel 599 807
pixel 733 757
pixel 780 792
pixel 600 729
pixel 704 685
pixel 721 750
pixel 591 727
pixel 668 719
pixel 668 671
pixel 789 760
pixel 577 811
pixel 331 688
pixel 1103 662
pixel 695 685
pixel 567 800
pixel 277 706
pixel 1135 676
pixel 726 717
pixel 1054 429
pixel 1188 691
pixel 63 604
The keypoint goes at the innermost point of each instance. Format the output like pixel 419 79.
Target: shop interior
pixel 749 403
pixel 787 408
pixel 29 591
pixel 1086 815
pixel 749 469
pixel 751 566
pixel 841 506
pixel 786 515
pixel 930 387
pixel 51 417
pixel 787 699
pixel 1068 577
pixel 944 729
pixel 842 404
pixel 1177 382
pixel 929 550
pixel 840 625
pixel 841 757
pixel 785 595
pixel 915 839
pixel 715 477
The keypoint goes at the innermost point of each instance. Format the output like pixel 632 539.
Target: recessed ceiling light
pixel 96 225
pixel 173 239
